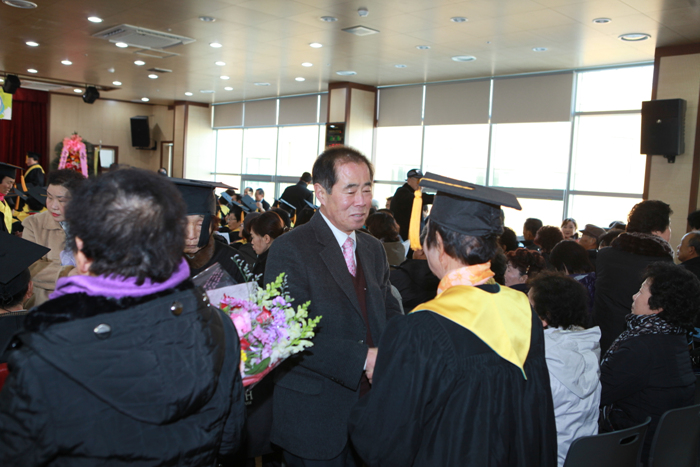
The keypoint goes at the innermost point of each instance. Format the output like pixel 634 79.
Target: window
pixel 600 210
pixel 229 144
pixel 458 150
pixel 398 150
pixel 613 89
pixel 547 210
pixel 381 192
pixel 259 150
pixel 297 149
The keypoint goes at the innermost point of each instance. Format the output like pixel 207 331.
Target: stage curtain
pixel 28 129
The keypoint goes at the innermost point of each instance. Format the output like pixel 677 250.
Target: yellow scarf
pixel 502 320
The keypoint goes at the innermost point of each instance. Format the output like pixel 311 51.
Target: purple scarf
pixel 118 286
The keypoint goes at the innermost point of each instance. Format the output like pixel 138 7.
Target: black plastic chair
pixel 676 439
pixel 617 449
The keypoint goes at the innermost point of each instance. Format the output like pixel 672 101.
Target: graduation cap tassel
pixel 414 225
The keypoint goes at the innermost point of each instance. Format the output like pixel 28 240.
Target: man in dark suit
pixel 296 194
pixel 345 275
pixel 688 252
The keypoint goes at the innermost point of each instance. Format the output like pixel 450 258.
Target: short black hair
pixel 261 191
pixel 547 237
pixel 131 222
pixel 383 226
pixel 467 249
pixel 676 291
pixel 67 178
pixel 268 223
pixel 305 177
pixel 572 256
pixel 560 300
pixel 532 225
pixel 528 262
pixel 508 240
pixel 649 216
pixel 694 220
pixel 33 156
pixel 326 165
pixel 284 215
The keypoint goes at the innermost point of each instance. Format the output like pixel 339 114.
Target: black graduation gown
pixel 35 176
pixel 442 397
pixel 10 323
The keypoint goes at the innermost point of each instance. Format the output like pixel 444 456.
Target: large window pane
pixel 600 210
pixel 457 151
pixel 548 211
pixel 297 149
pixel 229 144
pixel 398 151
pixel 606 154
pixel 615 89
pixel 259 150
pixel 381 192
pixel 267 187
pixel 232 180
pixel 530 155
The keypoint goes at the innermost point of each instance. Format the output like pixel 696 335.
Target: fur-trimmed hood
pixel 642 244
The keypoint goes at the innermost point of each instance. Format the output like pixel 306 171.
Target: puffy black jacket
pixel 158 386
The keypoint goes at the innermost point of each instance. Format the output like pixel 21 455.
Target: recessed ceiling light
pixel 346 73
pixel 122 45
pixel 635 36
pixel 153 76
pixel 32 70
pixel 220 63
pixel 94 19
pixel 262 84
pixel 20 4
pixel 206 91
pixel 66 62
pixel 422 47
pixel 139 63
pixel 32 44
pixel 539 49
pixel 77 90
pixel 464 58
pixel 216 45
pixel 459 19
pixel 207 19
pixel 145 99
pixel 228 88
pixel 117 83
pixel 299 78
pixel 307 64
pixel 400 66
pixel 328 19
pixel 316 45
pixel 602 20
pixel 225 77
pixel 188 93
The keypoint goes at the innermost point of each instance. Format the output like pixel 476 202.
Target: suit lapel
pixel 334 260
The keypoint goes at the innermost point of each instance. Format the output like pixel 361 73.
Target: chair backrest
pixel 617 449
pixel 676 439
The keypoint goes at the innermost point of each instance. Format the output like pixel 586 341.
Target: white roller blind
pixel 261 113
pixel 227 115
pixel 400 106
pixel 457 103
pixel 541 98
pixel 323 116
pixel 295 110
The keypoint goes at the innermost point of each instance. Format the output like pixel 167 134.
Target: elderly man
pixel 345 275
pixel 34 175
pixel 620 268
pixel 590 237
pixel 402 201
pixel 688 252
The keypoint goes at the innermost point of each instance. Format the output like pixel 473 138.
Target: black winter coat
pixel 401 205
pixel 296 194
pixel 162 387
pixel 619 271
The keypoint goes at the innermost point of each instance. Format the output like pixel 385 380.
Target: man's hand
pixel 371 360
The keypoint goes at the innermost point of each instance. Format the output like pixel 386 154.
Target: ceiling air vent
pixel 160 70
pixel 141 37
pixel 27 84
pixel 361 30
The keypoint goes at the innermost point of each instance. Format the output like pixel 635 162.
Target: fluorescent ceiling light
pixel 188 93
pixel 117 83
pixel 32 70
pixel 139 63
pixel 220 63
pixel 32 44
pixel 225 77
pixel 66 62
pixel 228 88
pixel 307 64
pixel 153 76
pixel 316 45
pixel 216 45
pixel 122 45
pixel 77 90
pixel 94 19
pixel 299 78
pixel 145 99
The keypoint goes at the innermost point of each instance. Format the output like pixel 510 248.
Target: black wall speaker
pixel 140 134
pixel 91 95
pixel 663 124
pixel 11 84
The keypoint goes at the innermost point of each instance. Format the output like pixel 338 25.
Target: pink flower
pixel 242 323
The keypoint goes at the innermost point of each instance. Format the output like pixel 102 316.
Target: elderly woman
pixel 647 370
pixel 523 264
pixel 127 364
pixel 469 365
pixel 49 229
pixel 572 354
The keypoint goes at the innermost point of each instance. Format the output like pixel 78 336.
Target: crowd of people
pixel 446 339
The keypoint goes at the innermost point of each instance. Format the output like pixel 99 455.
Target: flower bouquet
pixel 269 327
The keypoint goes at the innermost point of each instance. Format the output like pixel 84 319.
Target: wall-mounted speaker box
pixel 663 124
pixel 140 133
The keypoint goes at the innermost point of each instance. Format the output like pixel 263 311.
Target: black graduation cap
pixel 227 199
pixel 16 255
pixel 287 206
pixel 200 200
pixel 311 205
pixel 8 170
pixel 467 208
pixel 37 193
pixel 249 202
pixel 34 155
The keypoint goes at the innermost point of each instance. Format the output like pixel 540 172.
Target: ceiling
pixel 266 41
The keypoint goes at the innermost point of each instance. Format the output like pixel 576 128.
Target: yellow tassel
pixel 416 216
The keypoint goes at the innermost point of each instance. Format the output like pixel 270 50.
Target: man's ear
pixel 30 292
pixel 320 193
pixel 82 262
